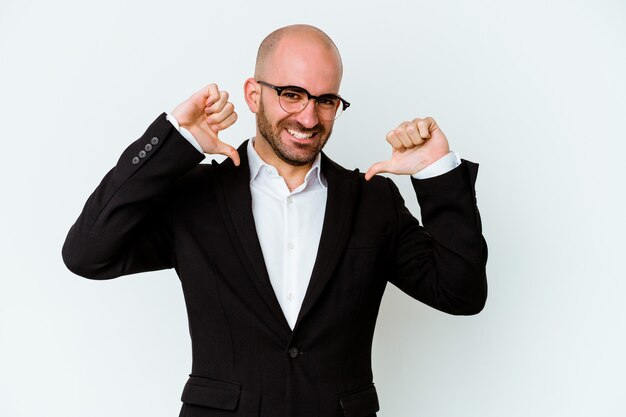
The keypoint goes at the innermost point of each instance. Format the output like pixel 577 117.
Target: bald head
pixel 294 39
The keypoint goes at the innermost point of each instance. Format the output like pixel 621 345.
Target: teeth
pixel 299 135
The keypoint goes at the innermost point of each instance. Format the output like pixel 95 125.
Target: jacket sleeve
pixel 443 263
pixel 125 225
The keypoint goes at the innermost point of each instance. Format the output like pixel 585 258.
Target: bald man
pixel 282 254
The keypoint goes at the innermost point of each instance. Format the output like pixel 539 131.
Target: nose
pixel 308 116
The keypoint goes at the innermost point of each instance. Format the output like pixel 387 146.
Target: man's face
pixel 292 142
pixel 299 137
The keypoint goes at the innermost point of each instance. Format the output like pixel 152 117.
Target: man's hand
pixel 416 145
pixel 204 114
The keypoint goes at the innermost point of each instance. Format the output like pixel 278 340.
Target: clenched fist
pixel 204 114
pixel 415 144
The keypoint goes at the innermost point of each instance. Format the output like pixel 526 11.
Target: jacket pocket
pixel 209 392
pixel 360 403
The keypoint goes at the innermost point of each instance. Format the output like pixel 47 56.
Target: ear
pixel 252 93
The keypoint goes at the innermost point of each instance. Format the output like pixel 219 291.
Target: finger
pixel 211 94
pixel 377 168
pixel 227 150
pixel 414 135
pixel 218 105
pixel 403 135
pixel 394 141
pixel 228 109
pixel 226 123
pixel 207 96
pixel 423 125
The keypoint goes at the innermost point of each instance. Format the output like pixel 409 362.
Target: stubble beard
pixel 287 153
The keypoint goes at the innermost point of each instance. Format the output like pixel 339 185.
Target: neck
pixel 292 175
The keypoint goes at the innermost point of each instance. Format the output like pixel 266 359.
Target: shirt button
pixel 148 147
pixel 289 200
pixel 154 140
pixel 290 296
pixel 135 161
pixel 290 245
pixel 293 352
pixel 142 154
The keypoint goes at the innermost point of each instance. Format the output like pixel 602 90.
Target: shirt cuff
pixel 184 133
pixel 441 166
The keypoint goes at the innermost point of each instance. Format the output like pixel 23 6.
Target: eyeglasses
pixel 293 99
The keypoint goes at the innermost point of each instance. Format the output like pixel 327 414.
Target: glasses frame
pixel 279 90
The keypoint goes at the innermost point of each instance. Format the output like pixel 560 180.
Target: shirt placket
pixel 291 258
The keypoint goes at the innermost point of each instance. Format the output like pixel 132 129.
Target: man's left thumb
pixel 376 168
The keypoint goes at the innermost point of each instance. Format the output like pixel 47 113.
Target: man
pixel 282 254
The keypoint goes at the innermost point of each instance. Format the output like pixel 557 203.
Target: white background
pixel 534 91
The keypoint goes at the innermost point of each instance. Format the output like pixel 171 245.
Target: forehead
pixel 305 62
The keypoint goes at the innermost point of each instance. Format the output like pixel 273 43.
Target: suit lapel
pixel 340 204
pixel 236 207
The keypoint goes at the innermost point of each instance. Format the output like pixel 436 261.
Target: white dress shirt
pixel 289 223
pixel 289 226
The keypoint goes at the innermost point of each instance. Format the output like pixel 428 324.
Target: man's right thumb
pixel 229 151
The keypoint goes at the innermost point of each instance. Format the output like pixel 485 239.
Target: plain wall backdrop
pixel 534 91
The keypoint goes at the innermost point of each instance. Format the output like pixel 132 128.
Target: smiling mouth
pixel 300 135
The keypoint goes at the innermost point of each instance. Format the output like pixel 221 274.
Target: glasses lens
pixel 329 107
pixel 294 100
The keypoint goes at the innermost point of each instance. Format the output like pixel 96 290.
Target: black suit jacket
pixel 159 208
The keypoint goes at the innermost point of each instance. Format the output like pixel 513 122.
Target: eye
pixel 328 101
pixel 292 95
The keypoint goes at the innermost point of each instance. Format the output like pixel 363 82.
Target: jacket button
pixel 135 160
pixel 142 154
pixel 148 147
pixel 154 140
pixel 293 352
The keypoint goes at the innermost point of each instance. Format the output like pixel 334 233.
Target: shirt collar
pixel 256 164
